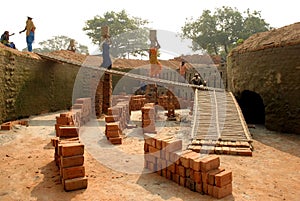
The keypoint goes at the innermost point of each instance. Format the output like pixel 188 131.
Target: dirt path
pixel 28 171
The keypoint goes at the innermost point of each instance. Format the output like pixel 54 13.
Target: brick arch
pixel 252 106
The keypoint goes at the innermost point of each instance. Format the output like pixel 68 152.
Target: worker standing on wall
pixel 30 31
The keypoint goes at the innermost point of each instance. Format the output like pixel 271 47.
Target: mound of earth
pixel 284 36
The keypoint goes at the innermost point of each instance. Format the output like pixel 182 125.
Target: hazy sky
pixel 58 17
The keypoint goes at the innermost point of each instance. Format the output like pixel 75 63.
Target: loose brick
pixel 75 184
pixel 182 181
pixel 115 140
pixel 197 177
pixel 150 158
pixel 221 192
pixel 112 126
pixel 72 161
pixel 185 159
pixel 72 149
pixel 209 163
pixel 223 178
pixel 198 187
pixel 176 178
pixel 73 172
pixel 173 145
pixel 171 167
pixel 210 189
pixel 212 174
pixel 68 131
pixel 155 152
pixel 190 184
pixel 113 133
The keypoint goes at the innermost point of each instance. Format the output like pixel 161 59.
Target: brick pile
pixel 137 102
pixel 69 157
pixel 148 118
pixel 69 151
pixel 8 125
pixel 199 173
pixel 116 121
pixel 241 148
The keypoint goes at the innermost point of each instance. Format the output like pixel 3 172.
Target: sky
pixel 66 17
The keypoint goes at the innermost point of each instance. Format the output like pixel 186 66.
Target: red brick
pixel 163 163
pixel 112 126
pixel 153 151
pixel 209 163
pixel 112 133
pixel 68 131
pixel 180 170
pixel 115 140
pixel 72 149
pixel 150 158
pixel 111 118
pixel 75 184
pixel 212 174
pixel 72 161
pixel 174 157
pixel 198 187
pixel 169 175
pixel 173 145
pixel 152 167
pixel 171 167
pixel 149 139
pixel 221 192
pixel 210 189
pixel 182 181
pixel 176 178
pixel 244 151
pixel 6 126
pixel 73 172
pixel 185 159
pixel 190 184
pixel 197 177
pixel 223 178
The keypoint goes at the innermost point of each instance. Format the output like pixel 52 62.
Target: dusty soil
pixel 28 171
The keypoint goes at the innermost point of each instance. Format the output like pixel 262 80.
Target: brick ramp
pixel 218 125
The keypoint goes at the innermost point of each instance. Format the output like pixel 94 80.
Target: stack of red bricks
pixel 69 157
pixel 82 109
pixel 199 173
pixel 148 118
pixel 116 121
pixel 137 102
pixel 69 151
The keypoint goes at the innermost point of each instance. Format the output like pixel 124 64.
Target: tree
pixel 59 43
pixel 219 32
pixel 129 36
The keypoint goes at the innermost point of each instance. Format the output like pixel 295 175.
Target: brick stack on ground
pixel 137 102
pixel 199 173
pixel 148 118
pixel 116 121
pixel 69 151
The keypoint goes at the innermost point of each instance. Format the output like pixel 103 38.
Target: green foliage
pixel 127 33
pixel 59 43
pixel 220 31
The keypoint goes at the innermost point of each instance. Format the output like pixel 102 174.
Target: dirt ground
pixel 28 171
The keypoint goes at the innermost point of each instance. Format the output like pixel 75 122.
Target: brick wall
pixel 274 74
pixel 31 85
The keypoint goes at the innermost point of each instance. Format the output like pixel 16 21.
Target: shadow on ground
pixel 166 189
pixel 284 142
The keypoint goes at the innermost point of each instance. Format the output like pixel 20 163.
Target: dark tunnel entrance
pixel 252 107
